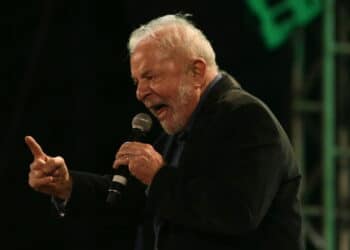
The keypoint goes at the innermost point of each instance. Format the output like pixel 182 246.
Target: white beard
pixel 178 121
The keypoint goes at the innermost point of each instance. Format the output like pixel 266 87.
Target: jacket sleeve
pixel 89 195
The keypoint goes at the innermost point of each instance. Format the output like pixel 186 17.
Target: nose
pixel 142 91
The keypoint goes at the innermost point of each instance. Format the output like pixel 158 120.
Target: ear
pixel 198 70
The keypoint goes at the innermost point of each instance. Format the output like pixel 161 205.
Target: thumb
pixel 35 148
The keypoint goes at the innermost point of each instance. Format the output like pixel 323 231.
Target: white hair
pixel 182 35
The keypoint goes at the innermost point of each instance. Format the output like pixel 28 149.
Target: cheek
pixel 169 94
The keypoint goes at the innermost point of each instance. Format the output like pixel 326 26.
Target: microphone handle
pixel 119 181
pixel 122 174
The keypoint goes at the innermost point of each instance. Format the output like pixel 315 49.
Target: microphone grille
pixel 142 121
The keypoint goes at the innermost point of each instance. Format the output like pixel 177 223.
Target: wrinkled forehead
pixel 157 49
pixel 149 57
pixel 149 51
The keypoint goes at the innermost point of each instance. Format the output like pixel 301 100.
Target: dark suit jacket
pixel 236 186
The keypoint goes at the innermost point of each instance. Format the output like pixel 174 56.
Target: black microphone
pixel 141 124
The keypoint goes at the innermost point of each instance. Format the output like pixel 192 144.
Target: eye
pixel 149 77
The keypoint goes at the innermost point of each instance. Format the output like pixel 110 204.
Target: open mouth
pixel 159 109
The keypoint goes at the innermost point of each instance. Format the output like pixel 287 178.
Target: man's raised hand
pixel 48 174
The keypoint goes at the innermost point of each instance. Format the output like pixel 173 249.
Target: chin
pixel 172 129
pixel 168 130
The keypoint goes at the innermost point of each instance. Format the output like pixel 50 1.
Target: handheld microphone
pixel 141 124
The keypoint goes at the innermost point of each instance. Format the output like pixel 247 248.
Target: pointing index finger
pixel 35 148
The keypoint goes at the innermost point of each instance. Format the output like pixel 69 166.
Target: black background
pixel 65 81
